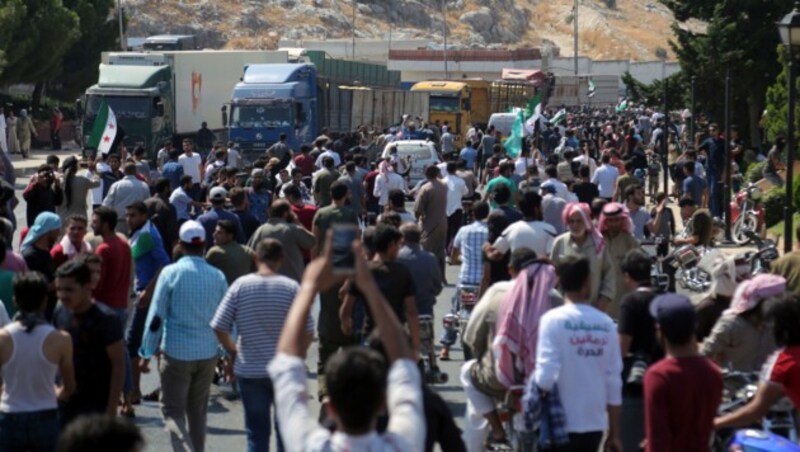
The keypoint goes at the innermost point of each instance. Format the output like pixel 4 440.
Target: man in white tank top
pixel 31 352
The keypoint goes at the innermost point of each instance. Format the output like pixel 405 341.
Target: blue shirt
pixel 186 297
pixel 259 203
pixel 468 154
pixel 149 256
pixel 694 186
pixel 469 241
pixel 425 272
pixel 209 221
pixel 173 171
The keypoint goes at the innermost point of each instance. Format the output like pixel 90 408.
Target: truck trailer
pixel 166 95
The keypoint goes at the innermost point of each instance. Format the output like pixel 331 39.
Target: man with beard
pixel 36 251
pixel 615 225
pixel 642 221
pixel 258 194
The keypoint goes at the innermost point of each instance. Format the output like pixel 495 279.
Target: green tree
pixel 98 33
pixel 774 120
pixel 38 41
pixel 11 14
pixel 740 37
pixel 678 94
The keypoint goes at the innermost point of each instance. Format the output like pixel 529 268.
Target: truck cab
pixel 449 103
pixel 140 97
pixel 270 100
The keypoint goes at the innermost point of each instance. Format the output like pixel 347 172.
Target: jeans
pixel 582 442
pixel 715 196
pixel 185 386
pixel 35 431
pixel 122 315
pixel 774 178
pixel 258 398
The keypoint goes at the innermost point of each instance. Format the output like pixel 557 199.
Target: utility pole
pixel 726 194
pixel 120 16
pixel 444 33
pixel 575 33
pixel 354 30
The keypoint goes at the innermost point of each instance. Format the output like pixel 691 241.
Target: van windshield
pixel 415 152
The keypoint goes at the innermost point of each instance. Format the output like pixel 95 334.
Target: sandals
pixel 497 445
pixel 153 396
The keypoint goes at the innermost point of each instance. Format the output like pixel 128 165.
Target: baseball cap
pixel 192 232
pixel 217 194
pixel 674 314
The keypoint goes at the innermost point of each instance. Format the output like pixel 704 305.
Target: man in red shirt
pixel 304 162
pixel 682 391
pixel 113 289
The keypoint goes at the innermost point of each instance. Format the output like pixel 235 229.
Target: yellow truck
pixel 457 103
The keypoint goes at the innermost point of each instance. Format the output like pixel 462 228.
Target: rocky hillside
pixel 609 29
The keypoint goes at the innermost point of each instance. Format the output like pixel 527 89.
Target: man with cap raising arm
pixel 682 391
pixel 186 297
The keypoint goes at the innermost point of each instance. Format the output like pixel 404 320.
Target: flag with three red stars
pixel 104 129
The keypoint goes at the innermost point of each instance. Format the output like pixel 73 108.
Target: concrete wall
pixel 566 65
pixel 651 71
pixel 373 51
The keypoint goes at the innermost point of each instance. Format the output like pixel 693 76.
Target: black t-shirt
pixel 586 192
pixel 40 260
pixel 91 331
pixel 635 321
pixel 395 283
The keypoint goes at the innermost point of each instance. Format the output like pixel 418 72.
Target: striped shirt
pixel 257 306
pixel 470 240
pixel 186 297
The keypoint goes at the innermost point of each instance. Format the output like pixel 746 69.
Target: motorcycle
pixel 521 437
pixel 747 213
pixel 455 323
pixel 430 371
pixel 777 431
pixel 761 260
pixel 688 275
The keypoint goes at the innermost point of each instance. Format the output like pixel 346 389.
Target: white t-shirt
pixel 328 153
pixel 578 349
pixel 521 165
pixel 582 159
pixel 181 201
pixel 191 166
pixel 233 158
pixel 534 235
pixel 97 192
pixel 562 191
pixel 384 185
pixel 456 189
pixel 606 179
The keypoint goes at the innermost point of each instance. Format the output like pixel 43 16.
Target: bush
pixel 796 193
pixel 773 205
pixel 755 172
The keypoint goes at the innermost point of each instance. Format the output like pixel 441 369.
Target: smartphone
pixel 342 248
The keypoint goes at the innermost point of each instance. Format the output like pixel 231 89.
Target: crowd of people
pixel 207 267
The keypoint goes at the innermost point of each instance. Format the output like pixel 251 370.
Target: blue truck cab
pixel 272 99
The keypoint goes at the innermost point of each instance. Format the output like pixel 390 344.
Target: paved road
pixel 225 417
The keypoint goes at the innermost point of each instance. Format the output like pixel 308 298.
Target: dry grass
pixel 631 31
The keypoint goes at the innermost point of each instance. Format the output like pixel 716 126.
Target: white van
pixel 502 122
pixel 421 153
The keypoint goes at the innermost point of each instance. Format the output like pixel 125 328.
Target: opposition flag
pixel 622 106
pixel 558 117
pixel 513 144
pixel 592 89
pixel 104 129
pixel 533 113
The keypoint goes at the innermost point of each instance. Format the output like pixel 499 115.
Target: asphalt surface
pixel 225 427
